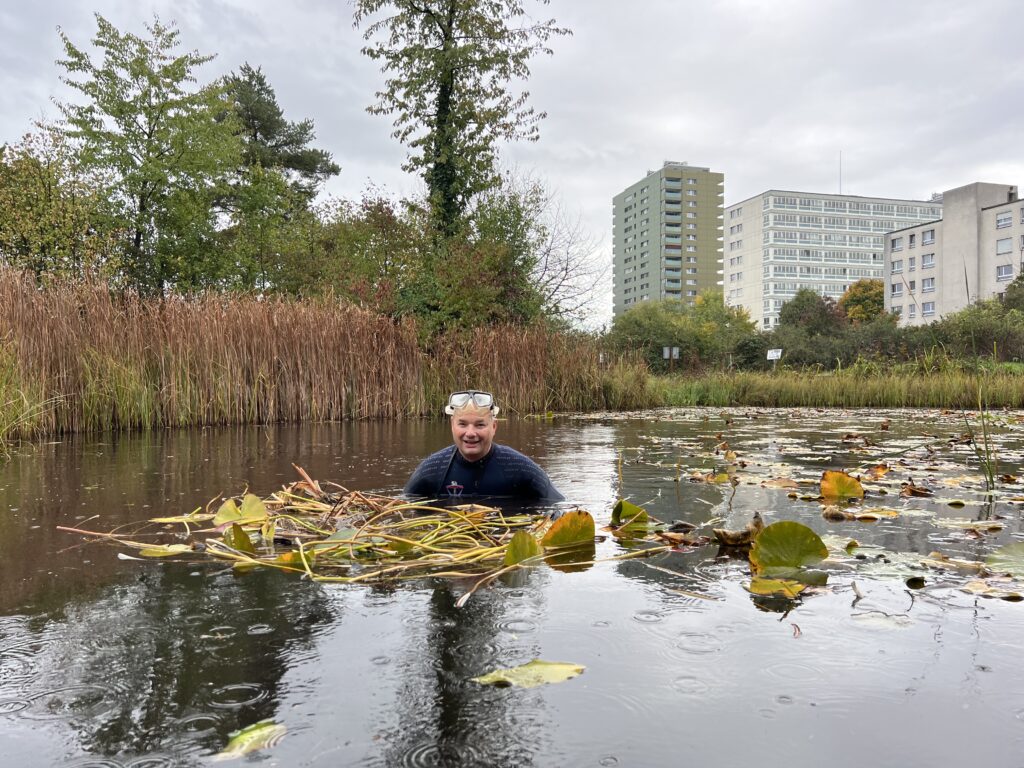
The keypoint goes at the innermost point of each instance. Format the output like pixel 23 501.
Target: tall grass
pixel 848 389
pixel 76 357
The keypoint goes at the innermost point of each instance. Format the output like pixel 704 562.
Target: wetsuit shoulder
pixel 429 475
pixel 523 473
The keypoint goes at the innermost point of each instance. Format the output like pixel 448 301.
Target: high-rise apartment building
pixel 779 242
pixel 973 252
pixel 667 236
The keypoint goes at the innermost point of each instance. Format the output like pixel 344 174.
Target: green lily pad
pixel 253 508
pixel 227 513
pixel 238 539
pixel 522 547
pixel 262 735
pixel 532 674
pixel 1009 559
pixel 569 530
pixel 786 544
pixel 625 512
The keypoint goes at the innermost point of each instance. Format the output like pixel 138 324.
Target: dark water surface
pixel 108 662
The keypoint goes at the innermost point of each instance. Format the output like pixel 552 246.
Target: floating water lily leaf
pixel 775 587
pixel 1009 559
pixel 570 529
pixel 236 538
pixel 786 544
pixel 262 735
pixel 165 550
pixel 532 674
pixel 522 547
pixel 839 486
pixel 253 508
pixel 227 513
pixel 627 512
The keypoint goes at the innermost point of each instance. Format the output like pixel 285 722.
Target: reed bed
pixel 77 357
pixel 945 389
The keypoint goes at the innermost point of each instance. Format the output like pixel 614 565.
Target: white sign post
pixel 774 355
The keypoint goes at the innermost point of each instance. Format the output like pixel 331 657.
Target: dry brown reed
pixel 85 358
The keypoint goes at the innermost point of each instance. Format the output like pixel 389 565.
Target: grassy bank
pixel 78 358
pixel 881 389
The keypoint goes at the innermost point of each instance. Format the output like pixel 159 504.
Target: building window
pixel 1004 219
pixel 691 181
pixel 897 266
pixel 691 249
pixel 912 311
pixel 927 260
pixel 897 244
pixel 1004 245
pixel 928 308
pixel 1004 272
pixel 928 285
pixel 911 263
pixel 928 237
pixel 896 289
pixel 898 311
pixel 913 285
pixel 911 241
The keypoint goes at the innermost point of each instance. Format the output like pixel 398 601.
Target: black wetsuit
pixel 503 471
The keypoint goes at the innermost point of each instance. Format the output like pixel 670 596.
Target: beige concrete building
pixel 667 236
pixel 971 253
pixel 780 241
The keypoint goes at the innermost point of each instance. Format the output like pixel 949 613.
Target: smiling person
pixel 475 465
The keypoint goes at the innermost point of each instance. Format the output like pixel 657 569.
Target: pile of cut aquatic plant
pixel 329 533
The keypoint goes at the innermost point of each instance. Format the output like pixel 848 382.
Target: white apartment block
pixel 971 253
pixel 780 241
pixel 667 236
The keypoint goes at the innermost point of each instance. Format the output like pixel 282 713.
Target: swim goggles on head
pixel 461 399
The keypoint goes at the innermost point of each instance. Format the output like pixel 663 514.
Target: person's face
pixel 473 433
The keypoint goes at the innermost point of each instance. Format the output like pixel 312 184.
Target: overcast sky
pixel 918 95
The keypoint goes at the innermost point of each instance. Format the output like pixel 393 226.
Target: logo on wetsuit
pixel 454 489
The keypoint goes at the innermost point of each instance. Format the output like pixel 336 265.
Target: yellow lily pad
pixel 840 486
pixel 570 529
pixel 262 735
pixel 165 550
pixel 775 587
pixel 531 674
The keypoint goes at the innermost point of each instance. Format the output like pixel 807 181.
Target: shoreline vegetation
pixel 849 388
pixel 77 357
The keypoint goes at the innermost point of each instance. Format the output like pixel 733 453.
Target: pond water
pixel 111 662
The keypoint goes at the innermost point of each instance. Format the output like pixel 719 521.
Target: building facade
pixel 973 252
pixel 667 236
pixel 780 241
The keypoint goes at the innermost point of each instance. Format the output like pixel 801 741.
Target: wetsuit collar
pixel 467 463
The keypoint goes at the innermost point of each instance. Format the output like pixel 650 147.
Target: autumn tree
pixel 163 144
pixel 53 214
pixel 863 301
pixel 449 68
